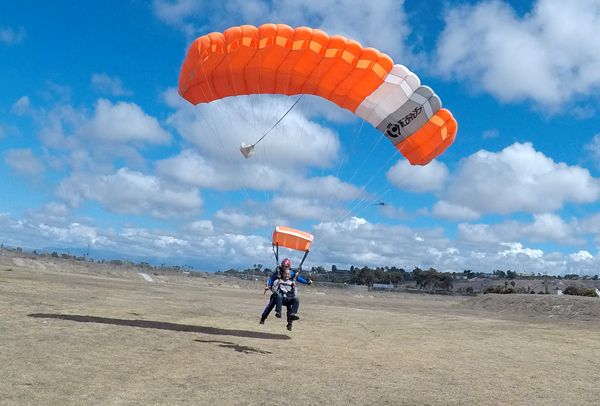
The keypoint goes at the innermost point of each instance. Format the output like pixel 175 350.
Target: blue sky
pixel 97 148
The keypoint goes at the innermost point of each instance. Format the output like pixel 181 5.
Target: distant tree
pixel 574 290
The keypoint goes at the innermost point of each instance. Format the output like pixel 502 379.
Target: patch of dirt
pixel 546 306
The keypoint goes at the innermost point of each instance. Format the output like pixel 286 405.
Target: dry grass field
pixel 72 335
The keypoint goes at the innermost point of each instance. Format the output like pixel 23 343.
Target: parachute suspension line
pixel 209 119
pixel 248 150
pixel 385 190
pixel 325 213
pixel 359 168
pixel 339 168
pixel 361 202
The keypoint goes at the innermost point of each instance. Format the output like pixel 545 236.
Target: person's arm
pixel 303 280
pixel 269 283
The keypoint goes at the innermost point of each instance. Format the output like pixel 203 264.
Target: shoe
pixel 294 316
pixel 262 321
pixel 289 326
pixel 278 315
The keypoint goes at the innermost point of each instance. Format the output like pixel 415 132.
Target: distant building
pixel 383 286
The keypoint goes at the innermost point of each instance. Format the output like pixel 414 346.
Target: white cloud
pixel 131 192
pixel 124 122
pixel 581 255
pixel 490 134
pixel 21 106
pixel 548 227
pixel 200 227
pixel 419 179
pixel 109 85
pixel 592 148
pixel 52 213
pixel 73 233
pixel 545 55
pixel 176 12
pixel 453 211
pixel 544 228
pixel 12 36
pixel 24 162
pixel 219 128
pixel 296 208
pixel 190 168
pixel 516 248
pixel 477 234
pixel 234 220
pixel 391 211
pixel 516 179
pixel 323 188
pixel 354 241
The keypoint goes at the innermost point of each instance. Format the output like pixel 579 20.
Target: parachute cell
pixel 278 59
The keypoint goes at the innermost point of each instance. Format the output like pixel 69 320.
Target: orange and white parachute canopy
pixel 291 238
pixel 279 59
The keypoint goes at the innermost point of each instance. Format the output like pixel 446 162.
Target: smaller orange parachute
pixel 293 239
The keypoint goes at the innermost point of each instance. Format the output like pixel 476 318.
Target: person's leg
pixel 295 307
pixel 278 304
pixel 288 306
pixel 268 309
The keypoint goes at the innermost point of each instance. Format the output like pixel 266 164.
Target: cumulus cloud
pixel 516 248
pixel 453 211
pixel 581 255
pixel 24 162
pixel 516 179
pixel 295 209
pixel 21 106
pixel 234 220
pixel 419 179
pixel 544 55
pixel 109 85
pixel 353 241
pixel 218 130
pixel 191 168
pixel 545 227
pixel 592 148
pixel 131 192
pixel 12 36
pixel 124 122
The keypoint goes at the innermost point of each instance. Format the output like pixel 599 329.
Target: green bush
pixel 574 290
pixel 499 289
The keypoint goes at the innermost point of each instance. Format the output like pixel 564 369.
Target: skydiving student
pixel 292 303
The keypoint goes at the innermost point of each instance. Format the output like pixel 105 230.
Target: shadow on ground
pixel 161 325
pixel 239 348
